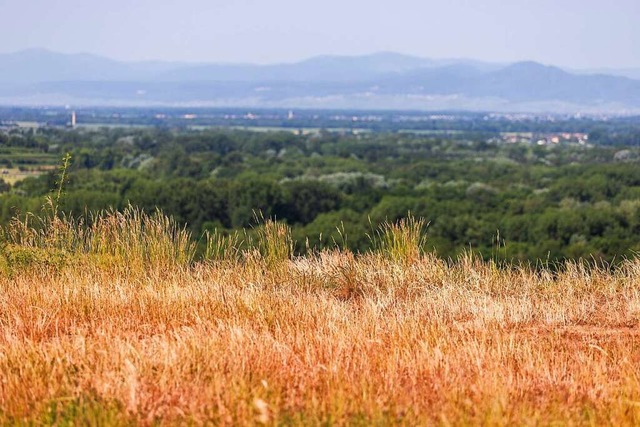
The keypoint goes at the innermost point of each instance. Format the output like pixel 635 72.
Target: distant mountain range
pixel 377 81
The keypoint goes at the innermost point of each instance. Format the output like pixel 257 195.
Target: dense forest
pixel 515 201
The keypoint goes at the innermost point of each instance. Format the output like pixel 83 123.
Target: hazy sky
pixel 572 33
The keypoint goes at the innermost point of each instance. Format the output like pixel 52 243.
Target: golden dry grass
pixel 331 338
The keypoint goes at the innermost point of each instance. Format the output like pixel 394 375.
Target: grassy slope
pixel 98 335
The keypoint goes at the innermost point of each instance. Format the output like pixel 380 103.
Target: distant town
pixel 540 129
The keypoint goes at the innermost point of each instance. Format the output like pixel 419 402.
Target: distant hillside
pixel 382 80
pixel 632 73
pixel 41 65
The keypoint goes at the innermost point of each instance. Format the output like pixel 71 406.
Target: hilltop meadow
pixel 113 322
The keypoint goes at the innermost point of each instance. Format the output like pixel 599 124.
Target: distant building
pixel 73 120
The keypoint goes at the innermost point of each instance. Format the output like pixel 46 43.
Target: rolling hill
pixel 382 80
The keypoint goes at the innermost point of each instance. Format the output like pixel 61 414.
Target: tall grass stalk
pixel 137 238
pixel 402 241
pixel 221 246
pixel 273 241
pixel 131 239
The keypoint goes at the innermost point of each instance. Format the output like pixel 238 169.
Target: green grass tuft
pixel 402 241
pixel 274 241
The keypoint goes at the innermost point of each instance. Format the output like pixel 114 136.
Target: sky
pixel 568 33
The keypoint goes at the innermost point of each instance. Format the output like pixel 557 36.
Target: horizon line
pixel 303 59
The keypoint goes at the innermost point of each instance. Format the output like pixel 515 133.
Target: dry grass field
pixel 114 323
pixel 14 175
